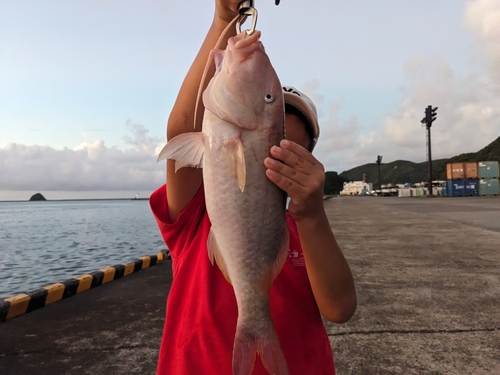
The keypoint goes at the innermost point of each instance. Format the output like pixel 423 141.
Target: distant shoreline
pixel 79 200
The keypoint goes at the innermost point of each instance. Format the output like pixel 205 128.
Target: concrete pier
pixel 112 329
pixel 427 273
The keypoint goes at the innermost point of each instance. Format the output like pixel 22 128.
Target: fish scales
pixel 243 119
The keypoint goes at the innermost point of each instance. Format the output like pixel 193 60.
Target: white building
pixel 357 188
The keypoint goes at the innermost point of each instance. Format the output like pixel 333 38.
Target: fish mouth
pixel 244 78
pixel 243 46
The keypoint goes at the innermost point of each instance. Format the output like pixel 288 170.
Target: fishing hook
pixel 246 9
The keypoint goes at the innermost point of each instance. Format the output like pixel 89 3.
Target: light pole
pixel 379 160
pixel 430 117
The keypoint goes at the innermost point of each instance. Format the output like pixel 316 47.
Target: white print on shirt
pixel 296 258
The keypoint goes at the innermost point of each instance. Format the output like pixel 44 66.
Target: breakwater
pixel 23 303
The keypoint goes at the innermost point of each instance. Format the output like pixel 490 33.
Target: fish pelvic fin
pixel 186 149
pixel 283 252
pixel 247 344
pixel 235 154
pixel 214 254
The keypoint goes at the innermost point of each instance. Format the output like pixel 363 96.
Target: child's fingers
pixel 294 156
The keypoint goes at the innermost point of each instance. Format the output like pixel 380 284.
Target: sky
pixel 86 87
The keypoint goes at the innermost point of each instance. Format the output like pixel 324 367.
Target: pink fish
pixel 244 118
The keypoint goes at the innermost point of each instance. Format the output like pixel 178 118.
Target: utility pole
pixel 430 117
pixel 379 160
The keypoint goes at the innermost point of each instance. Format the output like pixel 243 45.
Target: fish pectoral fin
pixel 282 254
pixel 215 254
pixel 233 149
pixel 186 149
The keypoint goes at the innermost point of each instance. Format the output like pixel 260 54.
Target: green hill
pixel 489 153
pixel 402 171
pixel 396 172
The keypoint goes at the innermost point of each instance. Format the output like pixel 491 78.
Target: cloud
pixel 468 107
pixel 140 139
pixel 483 18
pixel 468 119
pixel 89 166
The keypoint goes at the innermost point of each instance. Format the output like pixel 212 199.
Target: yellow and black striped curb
pixel 27 302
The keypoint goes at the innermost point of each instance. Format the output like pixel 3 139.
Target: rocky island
pixel 38 197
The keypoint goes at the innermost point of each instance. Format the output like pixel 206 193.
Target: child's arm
pixel 183 184
pixel 302 176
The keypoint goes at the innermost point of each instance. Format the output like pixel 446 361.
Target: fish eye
pixel 269 98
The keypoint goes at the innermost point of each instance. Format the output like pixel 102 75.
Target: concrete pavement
pixel 112 329
pixel 428 282
pixel 427 273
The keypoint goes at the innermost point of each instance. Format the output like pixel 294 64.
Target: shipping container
pixel 405 192
pixel 489 186
pixel 444 191
pixel 437 191
pixel 471 187
pixel 488 169
pixel 455 188
pixel 471 170
pixel 455 171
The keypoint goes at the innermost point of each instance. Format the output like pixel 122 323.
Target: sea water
pixel 42 243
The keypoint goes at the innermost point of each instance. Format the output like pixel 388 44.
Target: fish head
pixel 245 89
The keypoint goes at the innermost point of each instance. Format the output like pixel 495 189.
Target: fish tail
pixel 247 344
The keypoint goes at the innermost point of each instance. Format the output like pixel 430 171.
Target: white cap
pixel 305 105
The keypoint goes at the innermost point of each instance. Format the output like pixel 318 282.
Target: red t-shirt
pixel 201 316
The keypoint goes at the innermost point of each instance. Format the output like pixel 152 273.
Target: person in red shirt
pixel 315 280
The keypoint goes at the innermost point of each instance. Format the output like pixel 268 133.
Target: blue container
pixel 444 189
pixel 455 188
pixel 471 188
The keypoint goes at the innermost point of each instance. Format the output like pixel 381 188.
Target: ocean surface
pixel 42 243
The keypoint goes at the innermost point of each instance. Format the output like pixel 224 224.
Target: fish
pixel 243 118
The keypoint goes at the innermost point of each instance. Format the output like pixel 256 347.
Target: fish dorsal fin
pixel 207 66
pixel 186 149
pixel 235 154
pixel 283 252
pixel 215 254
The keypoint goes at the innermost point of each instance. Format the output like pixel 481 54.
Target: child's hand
pixel 226 10
pixel 301 175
